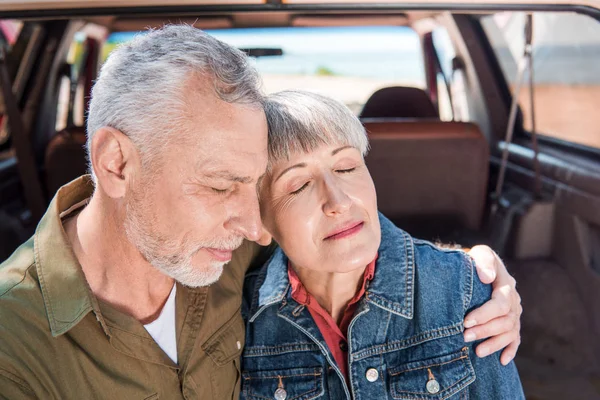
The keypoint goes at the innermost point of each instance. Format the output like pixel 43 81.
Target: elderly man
pixel 122 291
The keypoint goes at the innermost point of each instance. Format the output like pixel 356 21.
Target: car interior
pixel 467 144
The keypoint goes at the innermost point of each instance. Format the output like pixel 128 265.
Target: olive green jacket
pixel 58 341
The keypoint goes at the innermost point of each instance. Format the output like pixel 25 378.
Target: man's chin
pixel 201 276
pixel 193 275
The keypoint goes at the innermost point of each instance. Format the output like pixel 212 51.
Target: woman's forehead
pixel 322 150
pixel 301 158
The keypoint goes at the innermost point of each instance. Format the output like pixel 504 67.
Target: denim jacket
pixel 404 342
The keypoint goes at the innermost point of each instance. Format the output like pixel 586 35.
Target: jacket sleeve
pixel 13 388
pixel 492 379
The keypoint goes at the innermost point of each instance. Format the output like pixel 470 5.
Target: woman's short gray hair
pixel 143 88
pixel 301 121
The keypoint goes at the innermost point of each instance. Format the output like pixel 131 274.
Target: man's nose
pixel 245 220
pixel 336 199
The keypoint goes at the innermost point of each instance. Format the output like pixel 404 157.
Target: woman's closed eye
pixel 301 188
pixel 305 185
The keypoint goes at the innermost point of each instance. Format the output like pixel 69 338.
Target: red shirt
pixel 335 336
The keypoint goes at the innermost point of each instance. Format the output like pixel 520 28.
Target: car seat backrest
pixel 429 172
pixel 399 102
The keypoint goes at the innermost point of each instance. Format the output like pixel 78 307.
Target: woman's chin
pixel 350 260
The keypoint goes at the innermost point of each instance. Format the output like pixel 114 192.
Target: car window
pixel 566 50
pixel 448 82
pixel 74 60
pixel 347 63
pixel 9 33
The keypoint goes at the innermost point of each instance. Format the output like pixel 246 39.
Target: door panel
pixel 560 287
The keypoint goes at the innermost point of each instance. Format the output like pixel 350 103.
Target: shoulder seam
pixel 19 282
pixel 421 242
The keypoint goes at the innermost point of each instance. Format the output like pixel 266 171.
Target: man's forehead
pixel 234 170
pixel 243 136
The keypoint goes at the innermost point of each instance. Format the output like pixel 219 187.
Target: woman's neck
pixel 332 290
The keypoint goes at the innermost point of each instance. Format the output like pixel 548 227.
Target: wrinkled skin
pixel 310 196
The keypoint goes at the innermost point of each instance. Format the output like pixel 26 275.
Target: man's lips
pixel 345 230
pixel 219 254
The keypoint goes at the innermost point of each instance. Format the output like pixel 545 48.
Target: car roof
pixel 41 5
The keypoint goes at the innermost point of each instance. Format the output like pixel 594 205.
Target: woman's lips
pixel 220 255
pixel 346 231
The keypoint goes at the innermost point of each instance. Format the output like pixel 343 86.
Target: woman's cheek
pixel 278 216
pixel 282 206
pixel 297 221
pixel 364 189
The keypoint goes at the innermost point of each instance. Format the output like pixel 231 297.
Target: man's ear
pixel 115 160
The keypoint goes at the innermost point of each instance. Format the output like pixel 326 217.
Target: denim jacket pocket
pixel 435 378
pixel 291 384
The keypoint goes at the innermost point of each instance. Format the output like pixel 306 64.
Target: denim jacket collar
pixel 391 289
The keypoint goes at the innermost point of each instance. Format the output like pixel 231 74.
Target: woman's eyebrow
pixel 333 153
pixel 300 165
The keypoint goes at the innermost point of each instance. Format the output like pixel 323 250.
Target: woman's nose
pixel 336 201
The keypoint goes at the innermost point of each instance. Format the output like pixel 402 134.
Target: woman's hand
pixel 499 318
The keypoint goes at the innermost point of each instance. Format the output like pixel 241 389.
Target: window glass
pixel 566 50
pixel 455 107
pixel 75 59
pixel 444 48
pixel 9 33
pixel 347 63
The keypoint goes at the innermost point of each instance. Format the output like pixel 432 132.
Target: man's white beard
pixel 172 258
pixel 183 271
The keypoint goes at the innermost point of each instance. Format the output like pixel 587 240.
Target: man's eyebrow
pixel 333 153
pixel 228 176
pixel 301 165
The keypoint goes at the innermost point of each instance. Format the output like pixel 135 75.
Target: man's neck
pixel 115 270
pixel 333 291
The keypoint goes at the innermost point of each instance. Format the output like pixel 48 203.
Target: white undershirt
pixel 162 329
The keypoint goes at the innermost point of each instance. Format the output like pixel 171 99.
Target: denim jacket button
pixel 433 386
pixel 372 375
pixel 343 346
pixel 280 394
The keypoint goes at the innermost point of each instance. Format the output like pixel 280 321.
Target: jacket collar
pixel 391 288
pixel 66 293
pixel 273 283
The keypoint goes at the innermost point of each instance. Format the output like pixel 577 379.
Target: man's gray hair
pixel 301 121
pixel 143 88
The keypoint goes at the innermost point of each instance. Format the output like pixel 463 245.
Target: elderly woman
pixel 350 306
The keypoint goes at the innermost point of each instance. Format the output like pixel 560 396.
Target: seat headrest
pixel 399 102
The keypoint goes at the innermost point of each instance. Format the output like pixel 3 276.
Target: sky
pixel 566 48
pixel 390 52
pixel 315 40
